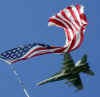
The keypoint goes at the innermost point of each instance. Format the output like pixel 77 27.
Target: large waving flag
pixel 72 19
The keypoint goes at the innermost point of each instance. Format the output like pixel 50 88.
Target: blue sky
pixel 25 21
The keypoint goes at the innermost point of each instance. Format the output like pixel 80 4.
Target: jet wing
pixel 76 81
pixel 68 63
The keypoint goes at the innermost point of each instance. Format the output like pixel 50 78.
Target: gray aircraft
pixel 71 72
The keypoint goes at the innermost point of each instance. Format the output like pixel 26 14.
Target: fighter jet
pixel 71 72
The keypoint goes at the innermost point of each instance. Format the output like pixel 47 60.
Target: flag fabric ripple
pixel 72 19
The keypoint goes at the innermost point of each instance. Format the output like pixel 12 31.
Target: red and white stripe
pixel 37 51
pixel 73 20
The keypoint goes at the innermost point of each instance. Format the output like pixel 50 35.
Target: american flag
pixel 72 19
pixel 28 51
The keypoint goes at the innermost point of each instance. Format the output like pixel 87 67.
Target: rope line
pixel 19 80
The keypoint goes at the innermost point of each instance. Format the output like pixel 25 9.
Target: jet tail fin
pixel 87 69
pixel 85 66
